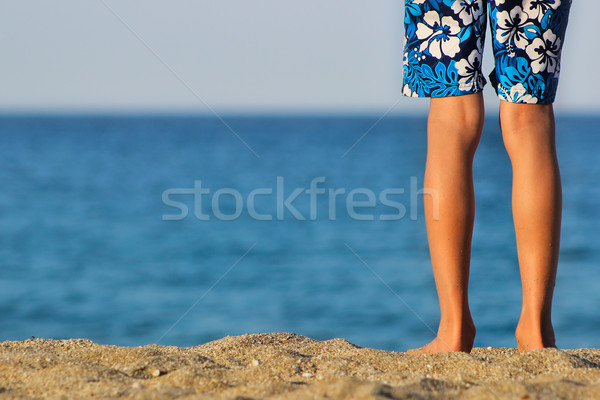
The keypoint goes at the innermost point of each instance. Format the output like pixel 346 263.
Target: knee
pixel 457 120
pixel 523 124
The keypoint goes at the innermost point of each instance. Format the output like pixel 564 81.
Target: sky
pixel 235 56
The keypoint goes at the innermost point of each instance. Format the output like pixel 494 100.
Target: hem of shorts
pixel 542 100
pixel 502 92
pixel 465 92
pixel 429 95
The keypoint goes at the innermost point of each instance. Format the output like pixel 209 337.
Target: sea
pixel 182 229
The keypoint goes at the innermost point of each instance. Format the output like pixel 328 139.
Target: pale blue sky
pixel 235 55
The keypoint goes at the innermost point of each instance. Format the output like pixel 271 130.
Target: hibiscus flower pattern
pixel 469 70
pixel 544 52
pixel 512 27
pixel 444 40
pixel 438 35
pixel 537 9
pixel 468 10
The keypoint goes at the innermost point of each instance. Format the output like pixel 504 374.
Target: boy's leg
pixel 528 132
pixel 453 131
pixel 442 60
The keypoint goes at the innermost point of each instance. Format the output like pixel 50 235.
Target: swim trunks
pixel 443 47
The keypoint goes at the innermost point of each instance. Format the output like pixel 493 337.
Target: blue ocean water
pixel 89 248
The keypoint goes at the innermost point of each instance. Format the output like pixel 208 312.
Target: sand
pixel 289 366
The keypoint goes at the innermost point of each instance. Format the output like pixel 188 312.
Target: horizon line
pixel 263 113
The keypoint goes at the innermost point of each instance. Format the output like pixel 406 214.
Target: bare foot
pixel 445 343
pixel 531 337
pixel 437 345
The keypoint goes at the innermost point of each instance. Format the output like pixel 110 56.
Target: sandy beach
pixel 289 366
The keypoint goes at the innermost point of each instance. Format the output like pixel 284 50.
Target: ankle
pixel 458 336
pixel 457 326
pixel 534 334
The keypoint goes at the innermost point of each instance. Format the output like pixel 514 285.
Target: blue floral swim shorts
pixel 443 47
